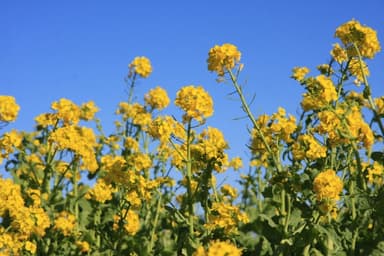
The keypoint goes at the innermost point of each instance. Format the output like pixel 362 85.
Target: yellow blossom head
pixel 327 186
pixel 339 53
pixel 88 110
pixel 365 39
pixel 141 66
pixel 218 248
pixel 196 103
pixel 157 98
pixel 8 108
pixel 67 111
pixel 298 73
pixel 223 58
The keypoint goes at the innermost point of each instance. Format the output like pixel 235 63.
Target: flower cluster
pixel 327 186
pixel 218 248
pixel 320 93
pixel 80 140
pixel 365 39
pixel 21 221
pixel 298 73
pixel 223 58
pixel 272 131
pixel 129 220
pixel 141 66
pixel 157 98
pixel 8 108
pixel 308 147
pixel 67 113
pixel 65 222
pixel 196 103
pixel 8 142
pixel 226 217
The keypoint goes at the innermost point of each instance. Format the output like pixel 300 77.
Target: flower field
pixel 313 184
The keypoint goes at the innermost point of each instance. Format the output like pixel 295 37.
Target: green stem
pixel 287 217
pixel 246 109
pixel 189 179
pixel 75 192
pixel 131 87
pixel 354 238
pixel 367 92
pixel 353 201
pixel 152 239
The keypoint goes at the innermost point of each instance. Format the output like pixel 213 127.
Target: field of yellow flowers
pixel 314 186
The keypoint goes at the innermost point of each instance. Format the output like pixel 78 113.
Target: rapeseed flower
pixel 223 58
pixel 365 39
pixel 8 108
pixel 141 66
pixel 196 103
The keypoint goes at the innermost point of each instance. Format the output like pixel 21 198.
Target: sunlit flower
pixel 298 73
pixel 196 103
pixel 8 108
pixel 157 98
pixel 339 53
pixel 223 58
pixel 365 38
pixel 141 66
pixel 218 248
pixel 327 185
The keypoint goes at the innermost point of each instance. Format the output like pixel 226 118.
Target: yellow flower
pixel 196 103
pixel 325 69
pixel 67 111
pixel 46 119
pixel 141 66
pixel 355 69
pixel 83 246
pixel 132 144
pixel 236 163
pixel 365 38
pixel 88 110
pixel 8 108
pixel 306 146
pixel 375 173
pixel 101 192
pixel 339 53
pixel 218 248
pixel 380 105
pixel 320 92
pixel 136 112
pixel 131 221
pixel 225 216
pixel 327 186
pixel 80 140
pixel 30 247
pixel 162 127
pixel 65 223
pixel 157 98
pixel 229 191
pixel 298 73
pixel 223 58
pixel 8 142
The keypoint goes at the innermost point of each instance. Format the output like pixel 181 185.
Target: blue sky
pixel 80 50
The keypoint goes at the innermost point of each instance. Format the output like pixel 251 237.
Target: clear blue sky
pixel 80 50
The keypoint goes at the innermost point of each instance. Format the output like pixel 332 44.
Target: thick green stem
pixel 152 239
pixel 288 215
pixel 189 180
pixel 353 201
